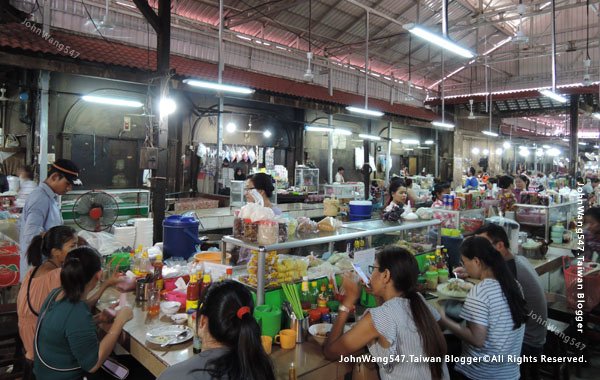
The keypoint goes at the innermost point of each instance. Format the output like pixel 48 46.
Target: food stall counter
pixel 307 357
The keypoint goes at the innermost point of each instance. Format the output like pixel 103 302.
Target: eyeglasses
pixel 371 268
pixel 248 189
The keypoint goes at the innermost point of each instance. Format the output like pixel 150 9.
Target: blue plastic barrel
pixel 360 210
pixel 180 236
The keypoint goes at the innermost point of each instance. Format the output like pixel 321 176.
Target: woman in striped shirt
pixel 402 333
pixel 495 314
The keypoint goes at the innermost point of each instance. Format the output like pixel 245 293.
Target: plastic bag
pixel 104 242
pixel 329 224
pixel 256 212
pixel 251 156
pixel 305 225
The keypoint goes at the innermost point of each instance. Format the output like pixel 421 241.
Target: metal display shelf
pixel 348 231
pixel 543 217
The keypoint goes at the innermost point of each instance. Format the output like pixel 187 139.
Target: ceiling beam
pixel 255 13
pixel 148 14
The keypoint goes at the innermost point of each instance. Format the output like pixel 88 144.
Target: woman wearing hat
pixel 42 208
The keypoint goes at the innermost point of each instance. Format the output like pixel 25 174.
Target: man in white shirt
pixel 339 176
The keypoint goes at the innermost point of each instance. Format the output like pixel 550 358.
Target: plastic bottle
pixel 323 298
pixel 158 277
pixel 314 295
pixel 206 281
pixel 305 296
pixel 193 288
pixel 144 264
pixel 292 372
pixel 229 273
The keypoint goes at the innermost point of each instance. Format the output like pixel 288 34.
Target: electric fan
pixel 95 211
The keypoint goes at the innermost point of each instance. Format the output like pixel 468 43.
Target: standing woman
pixel 46 255
pixel 495 314
pixel 231 343
pixel 403 325
pixel 65 343
pixel 260 185
pixel 521 184
pixel 398 194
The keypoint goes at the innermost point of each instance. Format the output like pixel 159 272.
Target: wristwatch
pixel 343 308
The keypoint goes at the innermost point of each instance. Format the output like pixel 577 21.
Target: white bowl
pixel 169 307
pixel 179 318
pixel 319 331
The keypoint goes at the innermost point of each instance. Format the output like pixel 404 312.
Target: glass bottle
pixel 314 295
pixel 305 297
pixel 193 288
pixel 158 277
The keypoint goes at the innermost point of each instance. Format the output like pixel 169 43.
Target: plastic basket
pixel 579 287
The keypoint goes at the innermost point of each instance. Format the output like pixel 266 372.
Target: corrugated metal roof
pixel 17 37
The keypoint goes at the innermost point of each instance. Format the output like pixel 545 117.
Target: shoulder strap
pixel 51 299
pixel 29 287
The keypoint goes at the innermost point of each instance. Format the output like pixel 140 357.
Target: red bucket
pixel 580 286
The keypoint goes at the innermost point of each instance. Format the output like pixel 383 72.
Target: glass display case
pixel 538 220
pixel 467 221
pixel 348 190
pixel 419 237
pixel 132 202
pixel 236 194
pixel 307 179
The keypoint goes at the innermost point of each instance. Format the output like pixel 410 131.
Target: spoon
pixel 175 339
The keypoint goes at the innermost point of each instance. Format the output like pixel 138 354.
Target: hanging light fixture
pixel 551 93
pixel 218 86
pixel 442 41
pixel 443 124
pixel 366 111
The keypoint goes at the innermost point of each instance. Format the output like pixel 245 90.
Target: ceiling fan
pixel 472 115
pixel 103 27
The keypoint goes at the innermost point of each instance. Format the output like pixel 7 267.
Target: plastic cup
pixel 267 343
pixel 431 279
pixel 286 338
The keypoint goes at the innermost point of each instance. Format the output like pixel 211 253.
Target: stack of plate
pixel 143 232
pixel 125 235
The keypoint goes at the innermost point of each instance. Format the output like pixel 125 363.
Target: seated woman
pixel 46 255
pixel 495 314
pixel 403 325
pixel 231 344
pixel 65 343
pixel 438 193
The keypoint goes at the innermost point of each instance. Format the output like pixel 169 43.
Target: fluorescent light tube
pixel 546 147
pixel 566 139
pixel 111 101
pixel 341 131
pixel 396 140
pixel 553 95
pixel 365 111
pixel 439 40
pixel 313 128
pixel 443 125
pixel 429 142
pixel 490 133
pixel 218 86
pixel 369 137
pixel 596 115
pixel 582 143
pixel 410 142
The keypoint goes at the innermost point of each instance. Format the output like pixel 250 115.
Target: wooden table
pixel 551 262
pixel 307 357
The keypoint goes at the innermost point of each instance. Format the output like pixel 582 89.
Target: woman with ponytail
pixel 231 345
pixel 404 324
pixel 65 343
pixel 46 255
pixel 495 314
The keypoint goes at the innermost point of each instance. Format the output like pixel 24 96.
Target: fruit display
pixel 270 269
pixel 291 268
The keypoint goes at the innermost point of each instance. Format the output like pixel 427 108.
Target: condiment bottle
pixel 206 281
pixel 158 277
pixel 144 264
pixel 292 372
pixel 191 299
